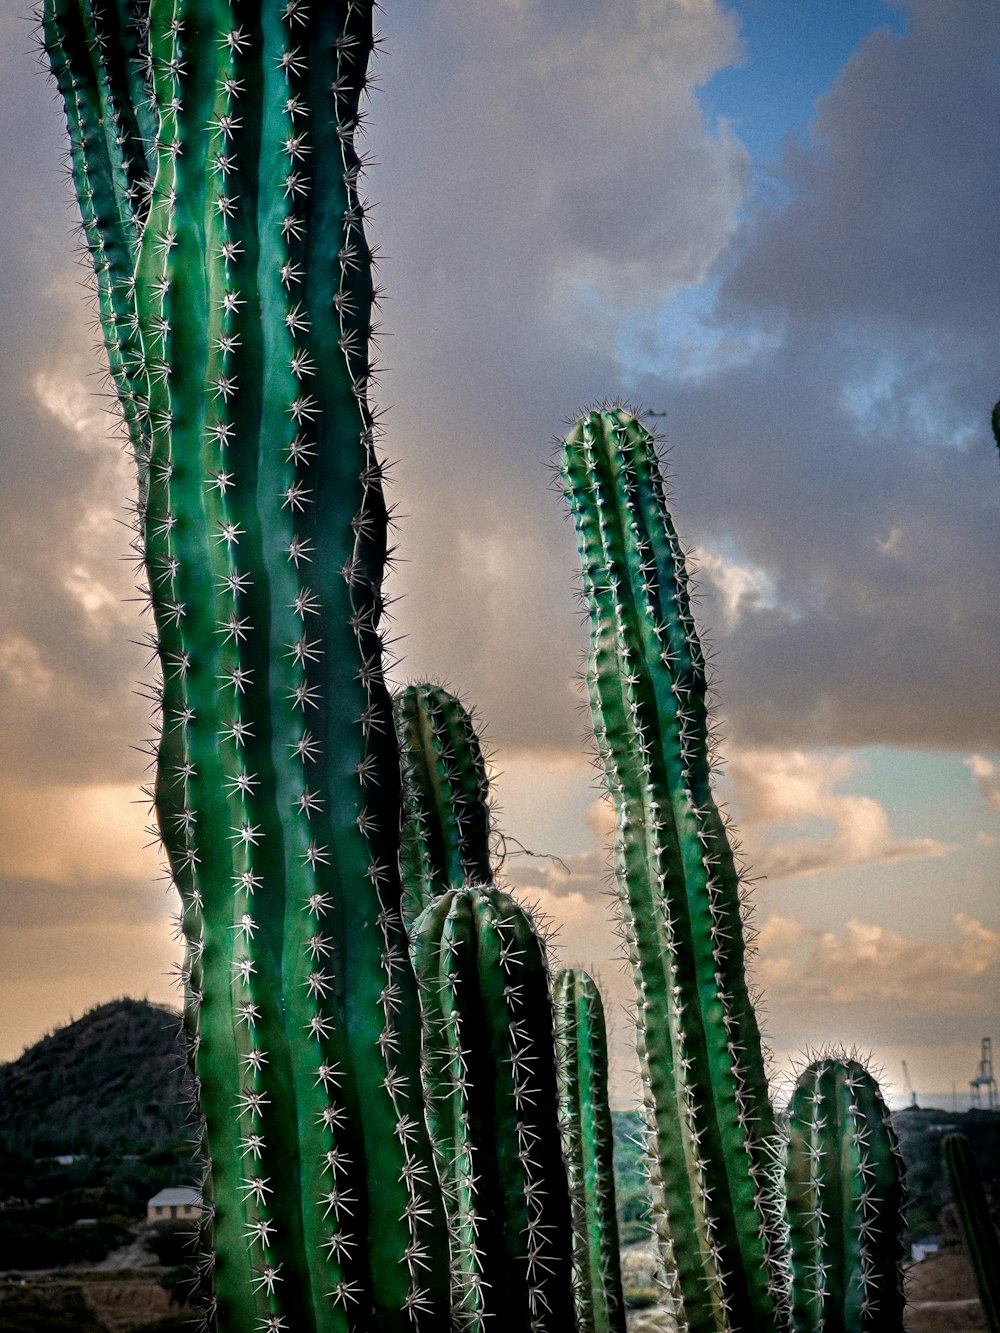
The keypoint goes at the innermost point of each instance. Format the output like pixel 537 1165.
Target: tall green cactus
pixel 489 1072
pixel 703 1072
pixel 446 814
pixel 588 1146
pixel 844 1197
pixel 978 1231
pixel 277 789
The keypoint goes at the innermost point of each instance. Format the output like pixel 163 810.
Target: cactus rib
pixel 98 58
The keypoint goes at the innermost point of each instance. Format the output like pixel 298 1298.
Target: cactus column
pixel 699 1045
pixel 845 1196
pixel 278 784
pixel 588 1145
pixel 492 1104
pixel 446 812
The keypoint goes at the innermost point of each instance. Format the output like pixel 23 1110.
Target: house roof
pixel 182 1196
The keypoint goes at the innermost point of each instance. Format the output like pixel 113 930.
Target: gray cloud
pixel 894 215
pixel 836 434
pixel 850 458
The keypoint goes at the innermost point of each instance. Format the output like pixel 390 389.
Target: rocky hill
pixel 111 1082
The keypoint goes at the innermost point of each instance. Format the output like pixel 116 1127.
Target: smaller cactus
pixel 446 814
pixel 978 1231
pixel 844 1202
pixel 588 1146
pixel 490 1083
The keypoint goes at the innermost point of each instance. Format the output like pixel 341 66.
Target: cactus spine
pixel 588 1146
pixel 277 789
pixel 703 1071
pixel 845 1196
pixel 978 1231
pixel 446 815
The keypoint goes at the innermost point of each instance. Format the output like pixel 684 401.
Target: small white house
pixel 920 1249
pixel 173 1205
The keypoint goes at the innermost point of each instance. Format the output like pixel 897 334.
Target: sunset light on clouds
pixel 773 223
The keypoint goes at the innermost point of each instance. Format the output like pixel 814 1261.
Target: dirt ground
pixel 940 1292
pixel 941 1296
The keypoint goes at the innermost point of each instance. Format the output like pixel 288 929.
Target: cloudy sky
pixel 773 221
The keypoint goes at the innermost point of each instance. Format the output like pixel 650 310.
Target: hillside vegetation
pixel 112 1081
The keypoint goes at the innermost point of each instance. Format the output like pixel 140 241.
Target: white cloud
pixel 90 592
pixel 986 776
pixel 741 585
pixel 23 666
pixel 867 963
pixel 74 403
pixel 780 787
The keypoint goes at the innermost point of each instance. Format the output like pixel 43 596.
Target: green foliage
pixel 32 1238
pixel 131 1052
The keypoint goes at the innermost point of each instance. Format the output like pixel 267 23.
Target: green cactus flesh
pixel 588 1147
pixel 704 1081
pixel 446 816
pixel 100 66
pixel 277 789
pixel 490 1080
pixel 978 1231
pixel 844 1200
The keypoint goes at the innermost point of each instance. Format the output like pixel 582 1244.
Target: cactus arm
pixel 844 1202
pixel 978 1231
pixel 97 59
pixel 588 1146
pixel 446 817
pixel 492 1105
pixel 704 1072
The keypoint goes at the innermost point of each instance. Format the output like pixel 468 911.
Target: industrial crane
pixel 909 1087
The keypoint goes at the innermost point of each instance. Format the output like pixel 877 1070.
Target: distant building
pixel 920 1249
pixel 174 1205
